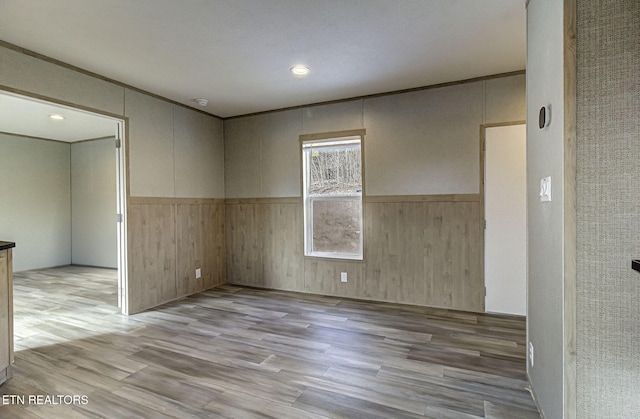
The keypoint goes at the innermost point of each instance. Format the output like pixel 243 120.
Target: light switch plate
pixel 343 277
pixel 198 273
pixel 545 189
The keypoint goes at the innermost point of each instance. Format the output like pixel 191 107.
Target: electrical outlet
pixel 531 354
pixel 343 277
pixel 198 273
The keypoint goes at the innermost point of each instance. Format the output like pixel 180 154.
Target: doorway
pixel 505 214
pixel 64 195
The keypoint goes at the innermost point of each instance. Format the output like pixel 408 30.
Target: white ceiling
pixel 31 117
pixel 238 53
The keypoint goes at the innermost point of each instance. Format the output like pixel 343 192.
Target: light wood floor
pixel 239 353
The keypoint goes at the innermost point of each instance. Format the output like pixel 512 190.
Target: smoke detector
pixel 202 102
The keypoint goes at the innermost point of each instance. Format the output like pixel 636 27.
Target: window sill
pixel 335 257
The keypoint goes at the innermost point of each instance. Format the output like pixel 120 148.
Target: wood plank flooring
pixel 234 352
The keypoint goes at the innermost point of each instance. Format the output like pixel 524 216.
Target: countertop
pixel 6 245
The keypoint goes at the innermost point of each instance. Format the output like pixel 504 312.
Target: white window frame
pixel 343 139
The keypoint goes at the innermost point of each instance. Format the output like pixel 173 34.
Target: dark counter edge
pixel 635 265
pixel 7 245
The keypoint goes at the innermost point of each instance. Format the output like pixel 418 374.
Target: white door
pixel 505 267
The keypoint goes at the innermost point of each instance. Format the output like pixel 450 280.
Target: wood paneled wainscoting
pixel 422 249
pixel 168 239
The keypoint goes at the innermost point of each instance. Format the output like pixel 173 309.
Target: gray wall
pixel 35 204
pixel 93 203
pixel 160 133
pixel 167 156
pixel 545 157
pixel 423 142
pixel 608 147
pixel 174 152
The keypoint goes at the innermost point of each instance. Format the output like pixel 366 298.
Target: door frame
pixel 122 181
pixel 483 149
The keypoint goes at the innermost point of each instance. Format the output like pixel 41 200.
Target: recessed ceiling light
pixel 300 70
pixel 56 117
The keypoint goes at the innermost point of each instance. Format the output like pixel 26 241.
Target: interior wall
pixel 31 74
pixel 199 154
pixel 156 173
pixel 176 211
pixel 550 152
pixel 261 155
pixel 608 147
pixel 36 201
pixel 422 142
pixel 423 216
pixel 93 203
pixel 162 137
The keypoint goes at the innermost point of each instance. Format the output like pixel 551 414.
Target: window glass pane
pixel 336 225
pixel 335 171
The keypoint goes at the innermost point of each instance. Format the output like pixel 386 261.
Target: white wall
pixel 35 201
pixel 423 142
pixel 93 203
pixel 58 203
pixel 546 156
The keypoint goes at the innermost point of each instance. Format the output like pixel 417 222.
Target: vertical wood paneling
pixel 282 249
pixel 200 245
pixel 214 259
pixel 170 239
pixel 394 252
pixel 425 253
pixel 152 255
pixel 421 252
pixel 189 236
pixel 244 245
pixel 454 256
pixel 322 276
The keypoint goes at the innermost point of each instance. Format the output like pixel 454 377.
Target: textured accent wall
pixel 608 153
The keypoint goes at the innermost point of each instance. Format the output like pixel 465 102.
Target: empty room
pixel 305 209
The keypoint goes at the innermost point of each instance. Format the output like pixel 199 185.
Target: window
pixel 332 192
